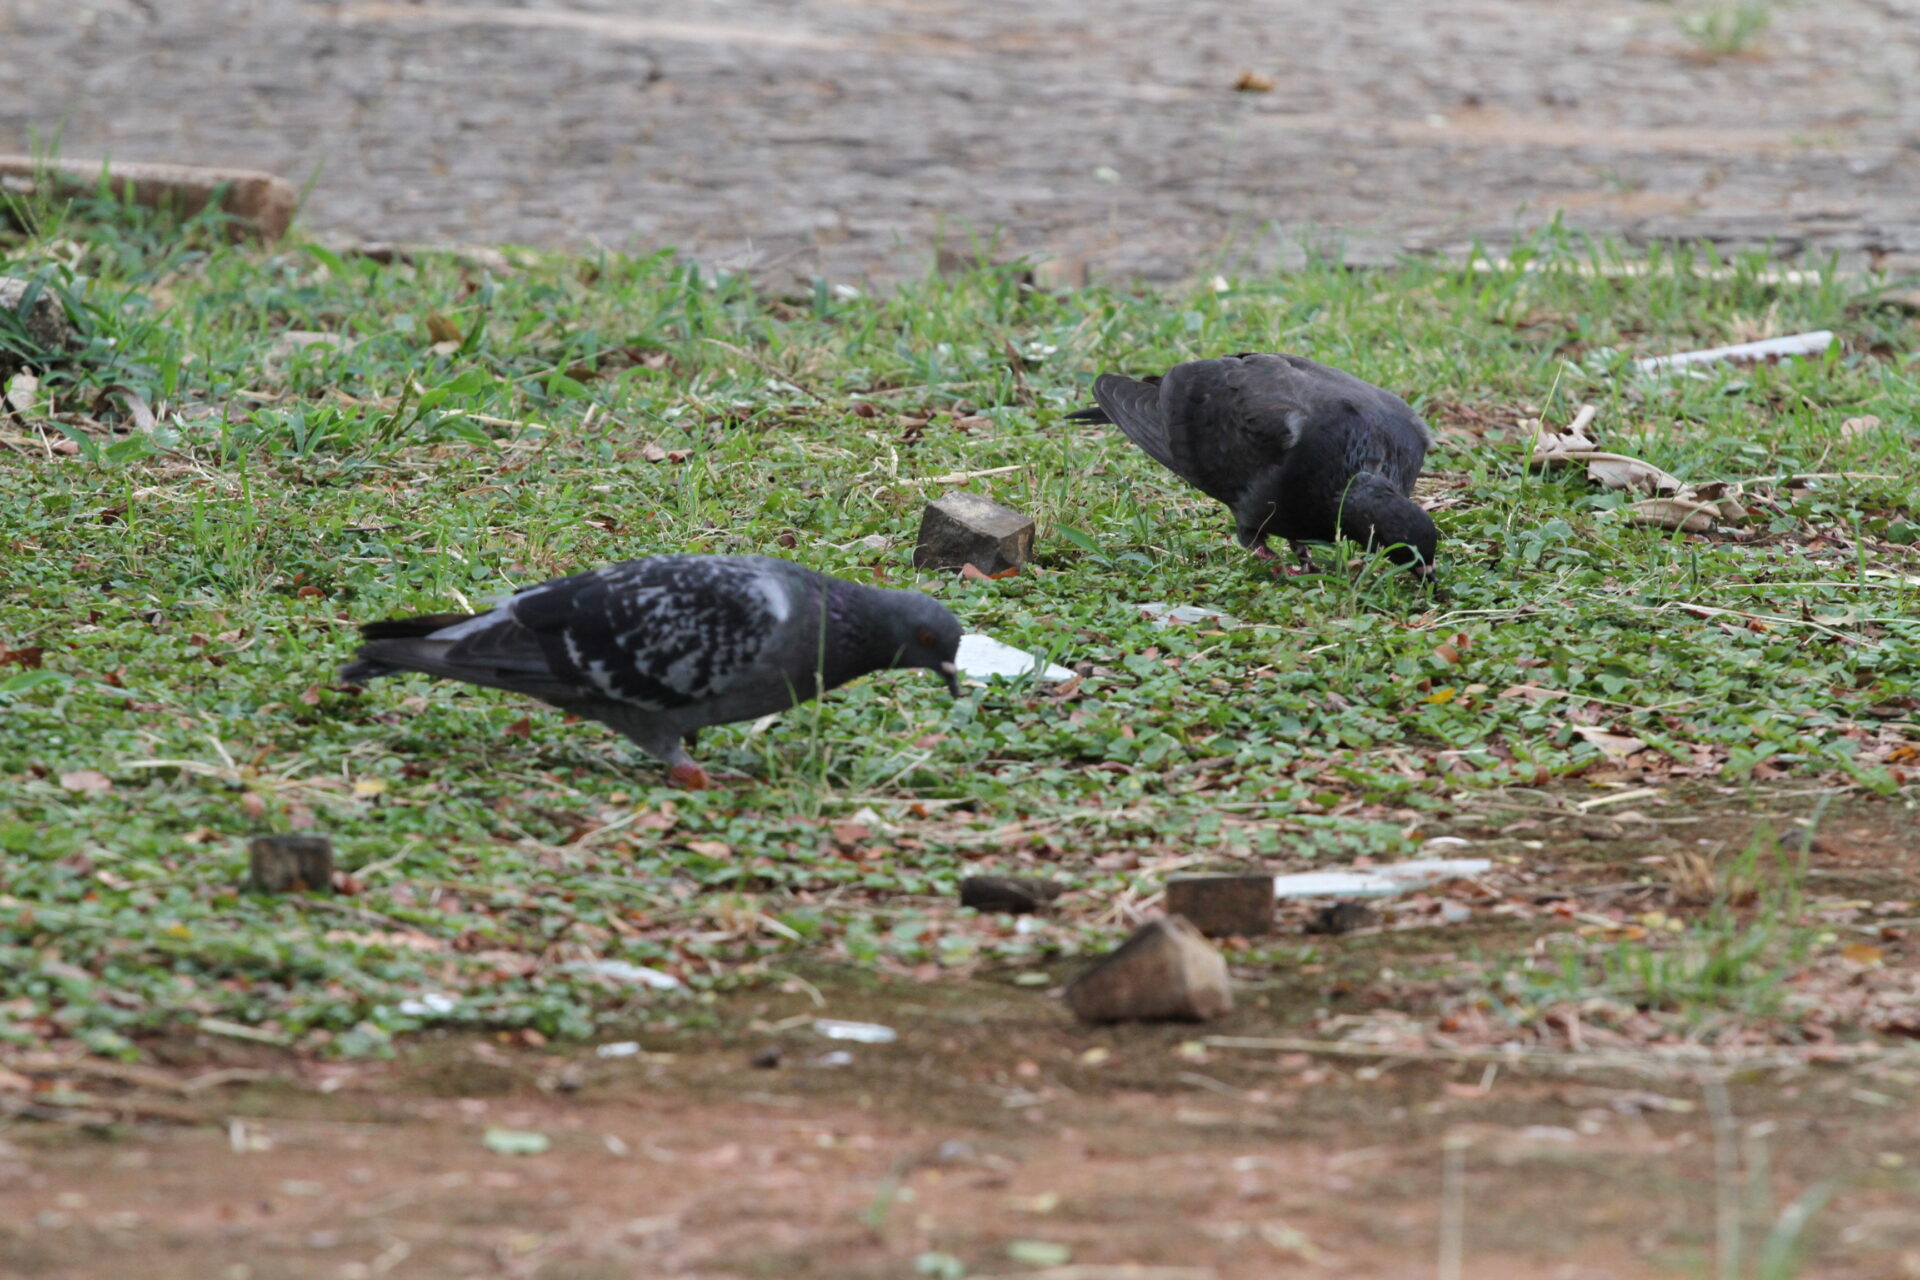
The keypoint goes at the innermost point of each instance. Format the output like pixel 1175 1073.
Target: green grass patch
pixel 200 500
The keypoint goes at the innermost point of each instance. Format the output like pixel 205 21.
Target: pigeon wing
pixel 659 633
pixel 1230 419
pixel 1377 431
pixel 1133 405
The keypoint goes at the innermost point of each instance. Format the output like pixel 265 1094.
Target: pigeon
pixel 1295 449
pixel 661 647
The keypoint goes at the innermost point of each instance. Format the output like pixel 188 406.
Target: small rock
pixel 1166 970
pixel 1223 906
pixel 768 1058
pixel 290 864
pixel 1013 895
pixel 45 320
pixel 964 528
pixel 1798 839
pixel 1343 917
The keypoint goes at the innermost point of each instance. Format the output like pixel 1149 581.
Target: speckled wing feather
pixel 659 633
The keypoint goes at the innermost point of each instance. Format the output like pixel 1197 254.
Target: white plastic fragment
pixel 428 1005
pixel 624 971
pixel 619 1049
pixel 983 657
pixel 1165 615
pixel 1795 344
pixel 859 1032
pixel 838 1058
pixel 1377 882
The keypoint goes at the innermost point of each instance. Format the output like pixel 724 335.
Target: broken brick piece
pixel 1165 971
pixel 964 528
pixel 290 864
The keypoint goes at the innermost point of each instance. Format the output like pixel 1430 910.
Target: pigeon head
pixel 919 631
pixel 1376 515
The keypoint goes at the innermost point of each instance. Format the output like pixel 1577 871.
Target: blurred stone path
pixel 848 138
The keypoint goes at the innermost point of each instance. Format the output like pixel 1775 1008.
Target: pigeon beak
pixel 952 675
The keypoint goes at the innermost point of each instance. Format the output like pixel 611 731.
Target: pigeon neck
pixel 857 639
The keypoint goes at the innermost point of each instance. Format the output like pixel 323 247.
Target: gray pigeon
pixel 1295 449
pixel 660 648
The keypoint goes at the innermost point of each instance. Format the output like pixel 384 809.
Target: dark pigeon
pixel 662 647
pixel 1295 449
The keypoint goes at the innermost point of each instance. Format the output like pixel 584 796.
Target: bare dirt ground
pixel 994 1124
pixel 846 137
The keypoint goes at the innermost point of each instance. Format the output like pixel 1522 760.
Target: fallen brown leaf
pixel 441 329
pixel 90 781
pixel 29 657
pixel 1673 513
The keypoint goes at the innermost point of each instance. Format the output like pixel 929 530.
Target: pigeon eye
pixel 925 637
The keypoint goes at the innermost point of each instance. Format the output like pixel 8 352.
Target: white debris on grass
pixel 1796 344
pixel 625 971
pixel 859 1032
pixel 429 1004
pixel 619 1049
pixel 1165 615
pixel 1378 882
pixel 983 657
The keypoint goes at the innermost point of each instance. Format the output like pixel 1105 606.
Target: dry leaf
pixel 441 329
pixel 1531 692
pixel 1253 82
pixel 22 393
pixel 1854 427
pixel 1617 471
pixel 1672 513
pixel 719 850
pixel 1615 746
pixel 848 833
pixel 90 781
pixel 521 728
pixel 368 787
pixel 29 657
pixel 137 407
pixel 653 452
pixel 1861 953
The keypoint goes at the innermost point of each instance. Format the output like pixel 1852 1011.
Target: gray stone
pixel 1165 971
pixel 1014 895
pixel 1343 917
pixel 964 528
pixel 1223 906
pixel 290 864
pixel 45 321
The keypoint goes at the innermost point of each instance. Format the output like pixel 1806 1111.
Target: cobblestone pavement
pixel 850 137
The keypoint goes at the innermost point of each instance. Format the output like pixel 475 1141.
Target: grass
pixel 1725 30
pixel 179 588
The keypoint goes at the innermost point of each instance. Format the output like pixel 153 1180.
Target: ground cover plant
pixel 250 450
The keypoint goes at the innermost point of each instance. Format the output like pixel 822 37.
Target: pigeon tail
pixel 1134 407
